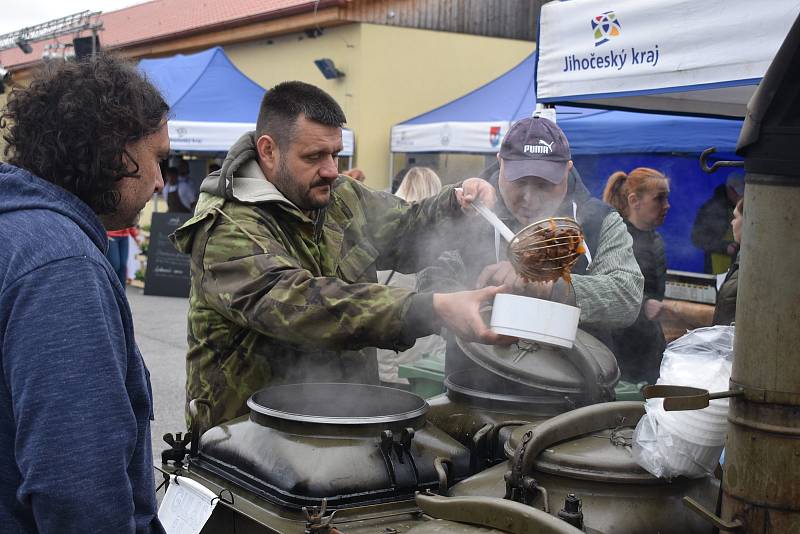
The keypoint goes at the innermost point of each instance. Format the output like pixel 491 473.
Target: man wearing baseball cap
pixel 536 180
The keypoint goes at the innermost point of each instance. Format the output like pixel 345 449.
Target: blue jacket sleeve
pixel 65 360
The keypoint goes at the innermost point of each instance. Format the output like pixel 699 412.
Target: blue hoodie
pixel 75 399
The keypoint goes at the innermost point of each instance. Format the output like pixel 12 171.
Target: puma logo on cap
pixel 542 148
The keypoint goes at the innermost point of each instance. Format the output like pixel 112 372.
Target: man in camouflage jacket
pixel 284 256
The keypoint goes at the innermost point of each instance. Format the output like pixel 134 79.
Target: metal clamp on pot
pixel 402 470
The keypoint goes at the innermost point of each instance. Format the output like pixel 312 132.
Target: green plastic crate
pixel 629 391
pixel 426 375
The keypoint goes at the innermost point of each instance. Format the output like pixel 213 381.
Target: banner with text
pixel 595 49
pixel 198 136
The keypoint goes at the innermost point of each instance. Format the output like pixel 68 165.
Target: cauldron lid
pixel 481 387
pixel 337 403
pixel 588 369
pixel 604 456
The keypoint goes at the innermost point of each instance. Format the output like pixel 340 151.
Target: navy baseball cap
pixel 535 146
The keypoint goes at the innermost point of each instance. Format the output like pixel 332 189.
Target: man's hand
pixel 499 274
pixel 503 273
pixel 473 189
pixel 653 308
pixel 460 313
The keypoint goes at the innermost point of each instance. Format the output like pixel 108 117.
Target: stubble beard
pixel 294 192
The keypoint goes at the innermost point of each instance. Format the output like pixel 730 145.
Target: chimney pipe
pixel 761 481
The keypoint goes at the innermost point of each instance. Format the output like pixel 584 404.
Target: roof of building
pixel 160 19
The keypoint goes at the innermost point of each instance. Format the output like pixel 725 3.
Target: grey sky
pixel 19 14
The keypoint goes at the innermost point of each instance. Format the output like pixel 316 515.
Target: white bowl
pixel 551 323
pixel 690 430
pixel 693 460
pixel 685 449
pixel 699 421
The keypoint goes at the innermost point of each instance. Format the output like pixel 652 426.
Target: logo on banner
pixel 494 135
pixel 605 27
pixel 445 136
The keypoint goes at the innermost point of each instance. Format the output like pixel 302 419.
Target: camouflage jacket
pixel 278 297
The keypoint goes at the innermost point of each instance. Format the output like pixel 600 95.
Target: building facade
pixel 400 58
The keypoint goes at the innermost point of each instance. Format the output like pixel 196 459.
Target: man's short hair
pixel 72 124
pixel 284 103
pixel 172 171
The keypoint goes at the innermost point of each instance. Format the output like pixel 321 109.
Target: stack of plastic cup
pixel 698 437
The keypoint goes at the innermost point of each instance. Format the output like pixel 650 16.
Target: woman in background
pixel 417 184
pixel 117 252
pixel 725 310
pixel 692 315
pixel 642 198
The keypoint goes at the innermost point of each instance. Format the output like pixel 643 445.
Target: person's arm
pixel 65 363
pixel 684 315
pixel 446 275
pixel 610 293
pixel 252 280
pixel 410 236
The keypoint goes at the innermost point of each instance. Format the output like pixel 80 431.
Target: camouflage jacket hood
pixel 279 297
pixel 241 177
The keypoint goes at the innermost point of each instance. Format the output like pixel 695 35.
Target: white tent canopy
pixel 689 56
pixel 201 136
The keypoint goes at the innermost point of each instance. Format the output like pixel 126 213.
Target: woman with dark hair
pixel 642 198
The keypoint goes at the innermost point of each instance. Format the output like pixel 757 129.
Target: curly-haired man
pixel 84 142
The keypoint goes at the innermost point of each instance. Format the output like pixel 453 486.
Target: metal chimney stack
pixel 761 484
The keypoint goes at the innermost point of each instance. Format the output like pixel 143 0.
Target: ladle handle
pixel 494 220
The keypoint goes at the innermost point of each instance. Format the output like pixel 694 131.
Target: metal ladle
pixel 528 241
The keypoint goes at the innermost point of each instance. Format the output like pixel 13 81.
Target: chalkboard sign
pixel 168 272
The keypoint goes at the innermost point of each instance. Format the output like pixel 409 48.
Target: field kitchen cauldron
pixel 359 458
pixel 524 383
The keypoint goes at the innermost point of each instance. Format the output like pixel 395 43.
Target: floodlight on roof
pixel 328 68
pixel 25 46
pixel 72 24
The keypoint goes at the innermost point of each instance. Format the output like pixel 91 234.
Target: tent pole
pixel 391 170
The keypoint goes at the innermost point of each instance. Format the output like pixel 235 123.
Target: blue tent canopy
pixel 475 122
pixel 205 87
pixel 211 101
pixel 509 97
